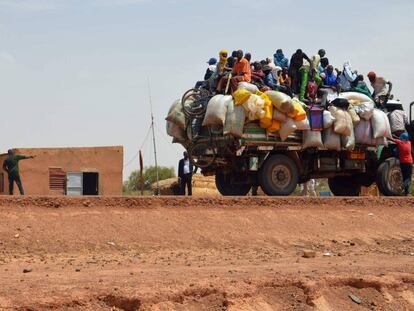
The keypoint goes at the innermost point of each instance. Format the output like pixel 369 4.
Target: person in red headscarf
pixel 379 84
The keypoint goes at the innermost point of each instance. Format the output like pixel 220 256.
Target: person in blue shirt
pixel 330 80
pixel 268 79
pixel 272 83
pixel 280 60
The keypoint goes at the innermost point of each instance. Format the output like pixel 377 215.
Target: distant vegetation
pixel 132 185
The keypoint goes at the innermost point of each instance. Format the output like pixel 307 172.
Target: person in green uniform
pixel 11 166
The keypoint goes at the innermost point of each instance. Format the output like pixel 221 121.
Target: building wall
pixel 107 161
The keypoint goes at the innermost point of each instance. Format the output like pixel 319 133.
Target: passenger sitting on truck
pixel 329 85
pixel 222 62
pixel 248 56
pixel 257 73
pixel 323 64
pixel 316 59
pixel 406 160
pixel 398 121
pixel 241 73
pixel 379 84
pixel 272 83
pixel 211 69
pixel 360 86
pixel 268 79
pixel 330 80
pixel 280 60
pixel 284 78
pixel 312 87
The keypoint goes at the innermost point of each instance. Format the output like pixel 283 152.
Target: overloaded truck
pixel 242 153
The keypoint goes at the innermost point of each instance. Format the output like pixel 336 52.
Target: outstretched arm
pixel 23 157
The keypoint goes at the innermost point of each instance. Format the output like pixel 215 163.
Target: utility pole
pixel 141 169
pixel 153 139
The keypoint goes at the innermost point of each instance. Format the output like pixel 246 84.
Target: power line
pixel 140 148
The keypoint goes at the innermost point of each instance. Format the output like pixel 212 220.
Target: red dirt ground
pixel 177 253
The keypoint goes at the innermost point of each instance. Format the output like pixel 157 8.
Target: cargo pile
pixel 351 118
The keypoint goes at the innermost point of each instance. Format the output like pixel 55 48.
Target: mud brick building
pixel 68 171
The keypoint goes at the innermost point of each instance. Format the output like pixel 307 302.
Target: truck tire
pixel 344 186
pixel 226 187
pixel 389 178
pixel 279 175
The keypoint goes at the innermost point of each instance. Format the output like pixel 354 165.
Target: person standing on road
pixel 406 160
pixel 308 188
pixel 185 174
pixel 11 166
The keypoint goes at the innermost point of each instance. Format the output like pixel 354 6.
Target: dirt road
pixel 206 254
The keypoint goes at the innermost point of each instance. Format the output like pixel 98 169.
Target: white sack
pixel 365 110
pixel 355 98
pixel 287 128
pixel 175 131
pixel 328 119
pixel 235 119
pixel 176 114
pixel 380 124
pixel 217 110
pixel 312 139
pixel 279 116
pixel 331 140
pixel 348 142
pixel 343 121
pixel 303 125
pixel 247 86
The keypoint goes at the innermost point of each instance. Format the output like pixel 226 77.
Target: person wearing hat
pixel 211 69
pixel 212 65
pixel 379 85
pixel 11 166
pixel 406 159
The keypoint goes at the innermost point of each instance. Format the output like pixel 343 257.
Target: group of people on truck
pixel 312 80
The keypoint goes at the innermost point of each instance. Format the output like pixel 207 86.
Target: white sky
pixel 74 72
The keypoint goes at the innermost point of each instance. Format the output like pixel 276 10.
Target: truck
pixel 259 159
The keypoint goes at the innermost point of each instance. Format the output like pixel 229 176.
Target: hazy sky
pixel 74 72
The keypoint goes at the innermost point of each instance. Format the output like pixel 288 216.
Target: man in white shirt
pixel 379 85
pixel 185 174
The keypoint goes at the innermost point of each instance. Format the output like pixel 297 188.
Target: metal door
pixel 74 184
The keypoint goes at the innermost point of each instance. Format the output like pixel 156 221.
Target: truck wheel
pixel 389 178
pixel 278 176
pixel 344 186
pixel 227 187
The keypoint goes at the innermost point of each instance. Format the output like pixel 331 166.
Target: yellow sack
pixel 274 127
pixel 298 114
pixel 280 101
pixel 266 120
pixel 241 96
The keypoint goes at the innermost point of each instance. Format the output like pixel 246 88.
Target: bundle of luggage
pixel 351 118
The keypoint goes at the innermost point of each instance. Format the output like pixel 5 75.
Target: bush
pixel 150 177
